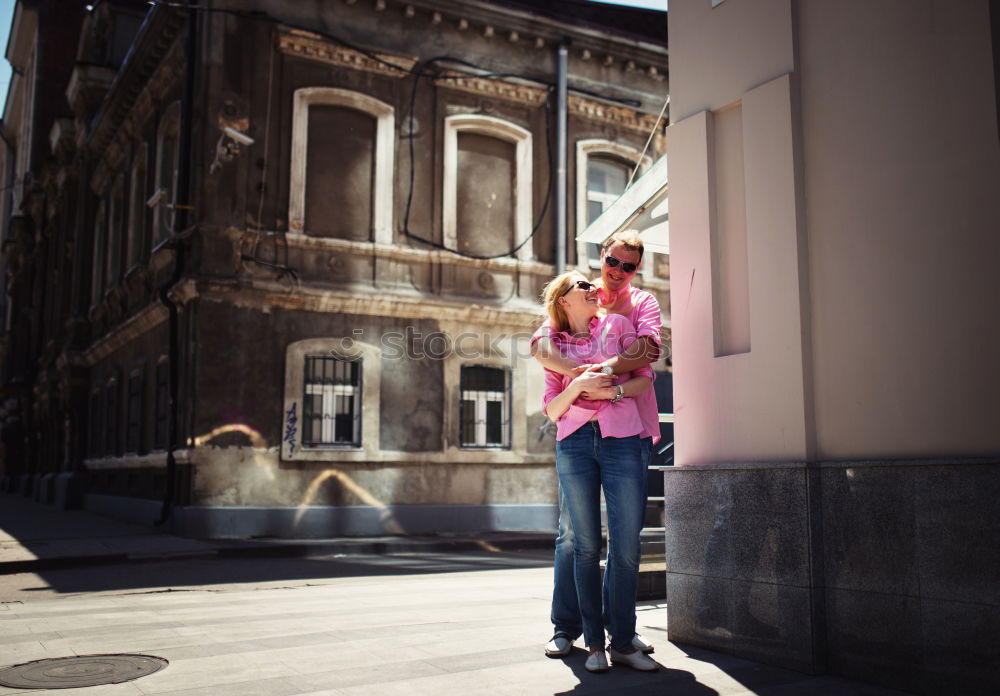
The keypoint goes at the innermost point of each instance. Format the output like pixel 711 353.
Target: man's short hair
pixel 629 238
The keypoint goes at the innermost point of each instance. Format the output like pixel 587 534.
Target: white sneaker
pixel 559 646
pixel 597 661
pixel 635 660
pixel 641 644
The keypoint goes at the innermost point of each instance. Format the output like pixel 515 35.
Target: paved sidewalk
pixel 35 537
pixel 382 630
pixel 440 634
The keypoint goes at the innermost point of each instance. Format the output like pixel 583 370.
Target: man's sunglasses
pixel 613 262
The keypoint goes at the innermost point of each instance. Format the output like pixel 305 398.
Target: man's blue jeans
pixel 586 462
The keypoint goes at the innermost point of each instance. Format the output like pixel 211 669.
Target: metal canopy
pixel 642 207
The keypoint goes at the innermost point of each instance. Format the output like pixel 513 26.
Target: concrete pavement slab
pixel 470 632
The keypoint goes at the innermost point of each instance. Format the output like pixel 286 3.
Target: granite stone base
pixel 887 572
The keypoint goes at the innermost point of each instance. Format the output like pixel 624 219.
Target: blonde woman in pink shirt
pixel 599 445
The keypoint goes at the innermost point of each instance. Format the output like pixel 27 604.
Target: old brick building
pixel 271 267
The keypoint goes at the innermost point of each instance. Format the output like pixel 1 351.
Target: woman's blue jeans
pixel 586 463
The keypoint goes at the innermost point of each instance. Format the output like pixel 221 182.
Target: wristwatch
pixel 607 370
pixel 619 395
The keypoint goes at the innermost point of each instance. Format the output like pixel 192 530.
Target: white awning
pixel 642 207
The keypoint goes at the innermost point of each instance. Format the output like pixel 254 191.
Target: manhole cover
pixel 83 670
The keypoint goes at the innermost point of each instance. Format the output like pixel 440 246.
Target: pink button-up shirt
pixel 643 311
pixel 609 336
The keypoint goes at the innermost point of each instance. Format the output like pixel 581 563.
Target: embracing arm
pixel 545 351
pixel 589 382
pixel 642 352
pixel 633 386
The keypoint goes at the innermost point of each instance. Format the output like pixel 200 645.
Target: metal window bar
pixel 331 404
pixel 484 407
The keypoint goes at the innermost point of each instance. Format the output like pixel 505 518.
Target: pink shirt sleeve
pixel 543 331
pixel 553 387
pixel 646 318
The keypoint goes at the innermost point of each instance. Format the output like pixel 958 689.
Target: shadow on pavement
pixel 206 572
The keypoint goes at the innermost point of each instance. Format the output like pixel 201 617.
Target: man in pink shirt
pixel 620 259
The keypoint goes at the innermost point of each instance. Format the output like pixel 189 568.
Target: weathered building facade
pixel 274 266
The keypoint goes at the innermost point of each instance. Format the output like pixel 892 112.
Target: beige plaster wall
pixel 902 190
pixel 730 402
pixel 871 170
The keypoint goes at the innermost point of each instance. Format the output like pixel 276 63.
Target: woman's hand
pixel 592 381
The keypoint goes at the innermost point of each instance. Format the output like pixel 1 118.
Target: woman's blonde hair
pixel 556 288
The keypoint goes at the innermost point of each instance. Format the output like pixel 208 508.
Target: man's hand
pixel 602 394
pixel 591 382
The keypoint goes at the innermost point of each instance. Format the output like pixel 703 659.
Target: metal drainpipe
pixel 561 110
pixel 182 202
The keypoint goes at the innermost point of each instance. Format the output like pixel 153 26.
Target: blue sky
pixel 7 13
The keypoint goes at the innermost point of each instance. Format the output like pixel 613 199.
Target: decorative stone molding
pixel 391 252
pixel 87 86
pixel 265 295
pixel 62 139
pixel 616 115
pixel 129 330
pixel 303 44
pixel 163 80
pixel 497 89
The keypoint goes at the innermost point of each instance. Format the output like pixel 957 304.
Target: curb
pixel 264 549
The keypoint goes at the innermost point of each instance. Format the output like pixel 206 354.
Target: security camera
pixel 241 138
pixel 157 197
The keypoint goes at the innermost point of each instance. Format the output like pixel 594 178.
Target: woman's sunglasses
pixel 613 262
pixel 584 285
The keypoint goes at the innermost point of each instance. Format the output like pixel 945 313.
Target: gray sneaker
pixel 559 646
pixel 641 644
pixel 635 660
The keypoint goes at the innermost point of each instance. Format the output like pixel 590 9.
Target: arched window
pixel 116 224
pixel 100 253
pixel 138 244
pixel 487 186
pixel 343 151
pixel 166 172
pixel 603 168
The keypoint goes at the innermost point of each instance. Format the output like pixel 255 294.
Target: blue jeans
pixel 586 462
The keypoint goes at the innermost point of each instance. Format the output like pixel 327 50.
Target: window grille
pixel 484 417
pixel 331 413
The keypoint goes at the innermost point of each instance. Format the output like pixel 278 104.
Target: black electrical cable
pixel 409 198
pixel 418 71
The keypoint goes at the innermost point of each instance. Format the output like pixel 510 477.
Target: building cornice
pixel 304 44
pixel 156 37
